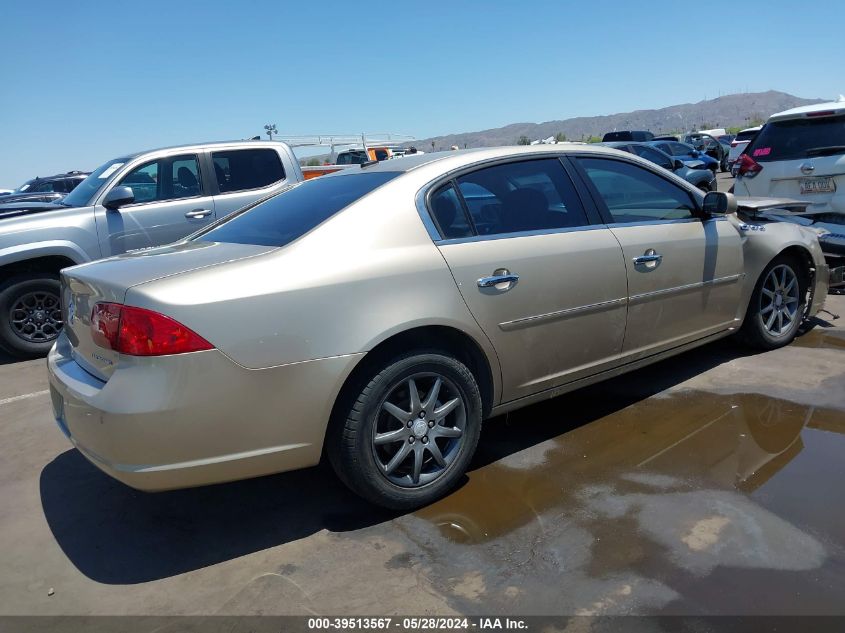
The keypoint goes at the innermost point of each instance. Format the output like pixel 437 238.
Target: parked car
pixel 740 142
pixel 627 135
pixel 710 146
pixel 5 192
pixel 380 315
pixel 693 172
pixel 47 189
pixel 686 153
pixel 799 153
pixel 132 202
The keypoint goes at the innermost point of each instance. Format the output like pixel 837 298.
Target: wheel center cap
pixel 420 427
pixel 778 301
pixel 39 315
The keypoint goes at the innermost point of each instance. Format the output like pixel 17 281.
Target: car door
pixel 684 271
pixel 542 276
pixel 170 203
pixel 245 175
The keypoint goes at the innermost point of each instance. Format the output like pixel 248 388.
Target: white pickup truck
pixel 132 202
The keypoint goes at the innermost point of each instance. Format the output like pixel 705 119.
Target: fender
pixel 61 248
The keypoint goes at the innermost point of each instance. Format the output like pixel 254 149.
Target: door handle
pixel 495 280
pixel 198 213
pixel 649 257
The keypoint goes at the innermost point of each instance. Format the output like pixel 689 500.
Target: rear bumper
pixel 195 419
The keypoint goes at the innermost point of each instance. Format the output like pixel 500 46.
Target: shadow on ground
pixel 116 535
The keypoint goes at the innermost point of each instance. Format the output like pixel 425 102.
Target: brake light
pixel 821 113
pixel 140 332
pixel 747 167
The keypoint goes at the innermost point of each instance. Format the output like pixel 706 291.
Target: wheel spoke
pixel 434 449
pixel 418 462
pixel 416 407
pixel 396 412
pixel 771 320
pixel 769 307
pixel 780 321
pixel 783 277
pixel 445 431
pixel 768 293
pixel 397 459
pixel 431 398
pixel 445 409
pixel 790 286
pixel 399 435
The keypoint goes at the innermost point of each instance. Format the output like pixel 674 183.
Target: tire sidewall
pixel 367 479
pixel 9 293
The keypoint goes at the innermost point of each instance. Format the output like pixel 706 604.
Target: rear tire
pixel 406 437
pixel 30 314
pixel 778 304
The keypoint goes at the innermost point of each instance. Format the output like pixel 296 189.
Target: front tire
pixel 777 305
pixel 409 433
pixel 30 314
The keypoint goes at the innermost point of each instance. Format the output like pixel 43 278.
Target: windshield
pixel 83 194
pixel 295 211
pixel 794 139
pixel 24 187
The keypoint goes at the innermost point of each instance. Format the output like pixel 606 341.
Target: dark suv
pixel 47 189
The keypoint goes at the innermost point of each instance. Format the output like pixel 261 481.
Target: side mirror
pixel 719 203
pixel 118 197
pixel 695 153
pixel 677 164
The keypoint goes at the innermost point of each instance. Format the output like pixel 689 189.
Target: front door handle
pixel 499 277
pixel 649 257
pixel 198 213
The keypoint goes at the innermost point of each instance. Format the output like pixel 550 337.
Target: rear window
pixel 292 213
pixel 794 139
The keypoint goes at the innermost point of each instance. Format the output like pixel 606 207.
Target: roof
pixel 837 107
pixel 191 146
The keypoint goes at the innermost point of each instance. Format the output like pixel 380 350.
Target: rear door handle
pixel 495 280
pixel 198 213
pixel 650 256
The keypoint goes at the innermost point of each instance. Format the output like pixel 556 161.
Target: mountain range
pixel 736 110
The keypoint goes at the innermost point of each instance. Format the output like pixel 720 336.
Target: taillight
pixel 747 167
pixel 141 332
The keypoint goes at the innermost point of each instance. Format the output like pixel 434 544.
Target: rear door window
pixel 245 169
pixel 295 211
pixel 532 195
pixel 636 194
pixel 795 139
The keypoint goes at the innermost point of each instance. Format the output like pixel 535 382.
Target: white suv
pixel 799 154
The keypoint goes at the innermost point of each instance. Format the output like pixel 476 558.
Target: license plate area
pixel 820 184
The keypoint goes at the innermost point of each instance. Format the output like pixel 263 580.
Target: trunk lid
pixel 108 280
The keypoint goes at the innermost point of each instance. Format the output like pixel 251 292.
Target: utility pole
pixel 271 130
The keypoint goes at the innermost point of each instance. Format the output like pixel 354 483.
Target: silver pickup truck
pixel 132 202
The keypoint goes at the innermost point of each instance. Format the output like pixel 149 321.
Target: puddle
pixel 820 337
pixel 585 505
pixel 679 442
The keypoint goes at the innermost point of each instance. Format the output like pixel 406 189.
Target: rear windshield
pixel 798 138
pixel 295 211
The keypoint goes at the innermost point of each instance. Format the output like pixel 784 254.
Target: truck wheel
pixel 777 305
pixel 30 314
pixel 410 432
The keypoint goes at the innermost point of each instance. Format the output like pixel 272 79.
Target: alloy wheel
pixel 36 317
pixel 779 300
pixel 419 429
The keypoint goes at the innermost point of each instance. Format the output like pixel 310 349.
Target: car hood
pixel 15 209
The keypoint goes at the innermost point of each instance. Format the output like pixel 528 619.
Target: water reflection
pixel 690 440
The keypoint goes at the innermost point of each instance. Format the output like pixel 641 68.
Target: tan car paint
pixel 291 324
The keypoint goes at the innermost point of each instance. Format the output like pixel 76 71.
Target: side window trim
pixel 602 206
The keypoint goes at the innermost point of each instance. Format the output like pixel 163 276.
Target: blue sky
pixel 84 82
